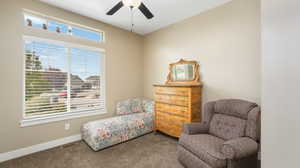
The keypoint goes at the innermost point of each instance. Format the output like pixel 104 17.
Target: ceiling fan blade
pixel 145 11
pixel 115 8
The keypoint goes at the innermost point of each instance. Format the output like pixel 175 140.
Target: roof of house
pixel 95 77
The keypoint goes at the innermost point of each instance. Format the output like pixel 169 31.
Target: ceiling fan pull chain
pixel 132 25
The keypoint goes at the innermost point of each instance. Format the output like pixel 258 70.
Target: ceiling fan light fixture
pixel 132 3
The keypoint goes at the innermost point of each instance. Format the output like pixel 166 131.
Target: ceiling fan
pixel 132 4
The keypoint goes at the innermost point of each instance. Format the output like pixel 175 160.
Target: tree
pixel 35 84
pixel 32 61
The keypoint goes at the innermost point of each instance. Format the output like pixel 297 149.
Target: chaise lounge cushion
pixel 135 105
pixel 148 105
pixel 210 153
pixel 107 132
pixel 124 107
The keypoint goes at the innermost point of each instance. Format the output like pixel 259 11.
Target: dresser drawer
pixel 165 128
pixel 170 119
pixel 172 109
pixel 172 99
pixel 174 131
pixel 172 91
pixel 169 124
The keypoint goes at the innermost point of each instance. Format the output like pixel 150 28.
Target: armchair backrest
pixel 232 118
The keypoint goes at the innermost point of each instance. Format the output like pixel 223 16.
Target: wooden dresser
pixel 176 105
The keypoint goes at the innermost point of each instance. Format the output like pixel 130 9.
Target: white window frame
pixel 47 118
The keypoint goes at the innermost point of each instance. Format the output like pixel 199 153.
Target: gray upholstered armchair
pixel 227 137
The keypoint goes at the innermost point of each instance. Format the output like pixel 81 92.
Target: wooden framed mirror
pixel 184 73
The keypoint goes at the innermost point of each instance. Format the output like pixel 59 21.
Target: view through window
pixel 62 78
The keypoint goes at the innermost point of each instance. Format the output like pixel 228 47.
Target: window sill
pixel 58 117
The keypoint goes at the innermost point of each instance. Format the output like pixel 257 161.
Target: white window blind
pixel 62 79
pixel 85 80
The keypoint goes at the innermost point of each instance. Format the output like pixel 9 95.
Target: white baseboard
pixel 37 148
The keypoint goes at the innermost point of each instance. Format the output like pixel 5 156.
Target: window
pixel 62 79
pixel 63 28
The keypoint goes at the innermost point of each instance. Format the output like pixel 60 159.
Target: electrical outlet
pixel 67 126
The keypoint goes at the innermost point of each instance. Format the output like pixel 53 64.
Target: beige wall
pixel 281 81
pixel 225 41
pixel 123 72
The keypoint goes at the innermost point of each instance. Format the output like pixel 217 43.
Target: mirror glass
pixel 183 72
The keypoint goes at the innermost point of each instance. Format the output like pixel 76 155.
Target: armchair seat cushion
pixel 227 127
pixel 206 147
pixel 195 128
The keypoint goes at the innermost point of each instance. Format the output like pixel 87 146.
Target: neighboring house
pixel 93 81
pixel 58 80
pixel 76 82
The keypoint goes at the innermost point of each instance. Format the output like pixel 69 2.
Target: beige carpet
pixel 149 151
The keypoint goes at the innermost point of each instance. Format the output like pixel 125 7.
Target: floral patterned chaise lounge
pixel 134 118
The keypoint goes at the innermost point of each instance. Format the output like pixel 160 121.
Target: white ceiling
pixel 165 12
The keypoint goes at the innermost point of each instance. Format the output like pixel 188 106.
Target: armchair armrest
pixel 239 148
pixel 195 128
